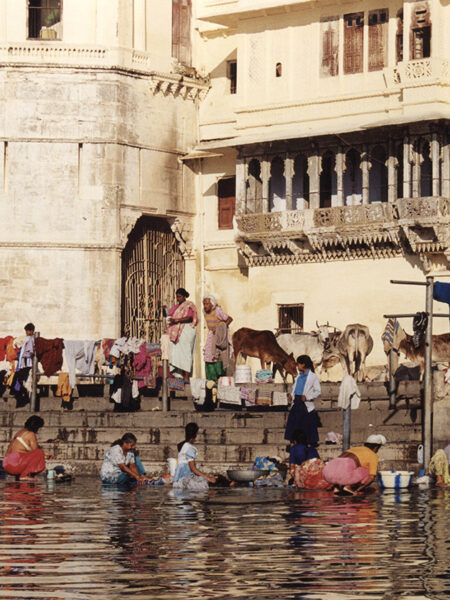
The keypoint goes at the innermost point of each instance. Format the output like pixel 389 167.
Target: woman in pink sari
pixel 24 458
pixel 181 331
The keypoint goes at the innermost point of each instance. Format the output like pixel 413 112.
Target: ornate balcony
pixel 408 226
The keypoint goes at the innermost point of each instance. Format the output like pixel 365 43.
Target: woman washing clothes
pixel 302 414
pixel 24 458
pixel 305 465
pixel 187 475
pixel 218 347
pixel 439 467
pixel 121 465
pixel 354 470
pixel 183 320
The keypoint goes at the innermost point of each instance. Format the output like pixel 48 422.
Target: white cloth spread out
pixel 79 355
pixel 349 394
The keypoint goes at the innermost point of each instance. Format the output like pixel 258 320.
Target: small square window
pixel 290 318
pixel 44 19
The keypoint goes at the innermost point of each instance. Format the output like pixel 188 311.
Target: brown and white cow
pixel 262 344
pixel 405 345
pixel 350 348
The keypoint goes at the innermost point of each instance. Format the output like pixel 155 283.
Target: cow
pixel 313 344
pixel 262 345
pixel 405 345
pixel 350 348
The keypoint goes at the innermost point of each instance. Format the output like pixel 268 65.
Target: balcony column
pixel 265 176
pixel 314 168
pixel 241 187
pixel 289 174
pixel 392 196
pixel 365 174
pixel 446 167
pixel 340 156
pixel 406 168
pixel 435 161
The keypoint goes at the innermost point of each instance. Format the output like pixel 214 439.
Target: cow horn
pixel 317 324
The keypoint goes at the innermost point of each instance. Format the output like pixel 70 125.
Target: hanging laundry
pixel 349 394
pixel 26 353
pixel 3 345
pixel 63 389
pixel 79 355
pixel 50 354
pixel 441 292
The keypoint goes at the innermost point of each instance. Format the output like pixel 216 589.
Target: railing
pixel 420 71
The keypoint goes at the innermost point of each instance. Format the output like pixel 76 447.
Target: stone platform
pixel 228 438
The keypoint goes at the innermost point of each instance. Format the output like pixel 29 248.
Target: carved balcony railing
pixel 418 72
pixel 410 225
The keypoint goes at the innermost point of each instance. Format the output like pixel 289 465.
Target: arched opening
pixel 378 175
pixel 426 171
pixel 152 270
pixel 277 185
pixel 254 187
pixel 399 157
pixel 300 183
pixel 352 178
pixel 327 180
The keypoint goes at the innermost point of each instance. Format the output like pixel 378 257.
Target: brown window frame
pixel 181 31
pixel 354 42
pixel 378 38
pixel 293 312
pixel 39 11
pixel 226 202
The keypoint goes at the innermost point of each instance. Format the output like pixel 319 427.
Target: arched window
pixel 352 178
pixel 399 157
pixel 277 185
pixel 254 187
pixel 426 170
pixel 300 183
pixel 327 179
pixel 378 175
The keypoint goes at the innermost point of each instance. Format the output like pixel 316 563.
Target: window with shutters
pixel 181 31
pixel 227 202
pixel 420 32
pixel 44 19
pixel 232 75
pixel 353 42
pixel 330 47
pixel 378 39
pixel 290 318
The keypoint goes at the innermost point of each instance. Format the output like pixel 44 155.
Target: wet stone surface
pixel 81 540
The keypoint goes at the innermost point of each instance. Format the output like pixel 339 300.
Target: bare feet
pixel 26 478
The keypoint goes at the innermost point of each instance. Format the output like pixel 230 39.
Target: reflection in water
pixel 81 541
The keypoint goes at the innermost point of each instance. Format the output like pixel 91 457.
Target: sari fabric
pixel 24 463
pixel 439 466
pixel 309 475
pixel 181 311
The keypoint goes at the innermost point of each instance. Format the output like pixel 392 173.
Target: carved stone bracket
pixel 183 230
pixel 179 85
pixel 128 218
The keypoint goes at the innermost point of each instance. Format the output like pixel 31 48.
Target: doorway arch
pixel 152 270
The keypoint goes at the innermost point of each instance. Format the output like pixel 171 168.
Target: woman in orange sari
pixel 24 458
pixel 182 333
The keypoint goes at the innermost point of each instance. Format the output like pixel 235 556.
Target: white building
pixel 133 130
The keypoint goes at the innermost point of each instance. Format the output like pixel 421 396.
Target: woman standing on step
pixel 183 320
pixel 302 414
pixel 187 475
pixel 24 458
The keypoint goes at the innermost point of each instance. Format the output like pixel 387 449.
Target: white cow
pixel 313 344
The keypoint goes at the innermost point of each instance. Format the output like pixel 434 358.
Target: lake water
pixel 80 540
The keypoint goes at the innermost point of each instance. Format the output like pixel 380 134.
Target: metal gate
pixel 152 270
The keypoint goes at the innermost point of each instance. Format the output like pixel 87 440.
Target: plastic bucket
pixel 395 479
pixel 243 374
pixel 172 464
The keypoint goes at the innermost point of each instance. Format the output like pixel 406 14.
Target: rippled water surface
pixel 80 541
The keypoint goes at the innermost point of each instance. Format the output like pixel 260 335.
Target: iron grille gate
pixel 152 270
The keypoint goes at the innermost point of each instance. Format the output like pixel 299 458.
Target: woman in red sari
pixel 182 332
pixel 24 458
